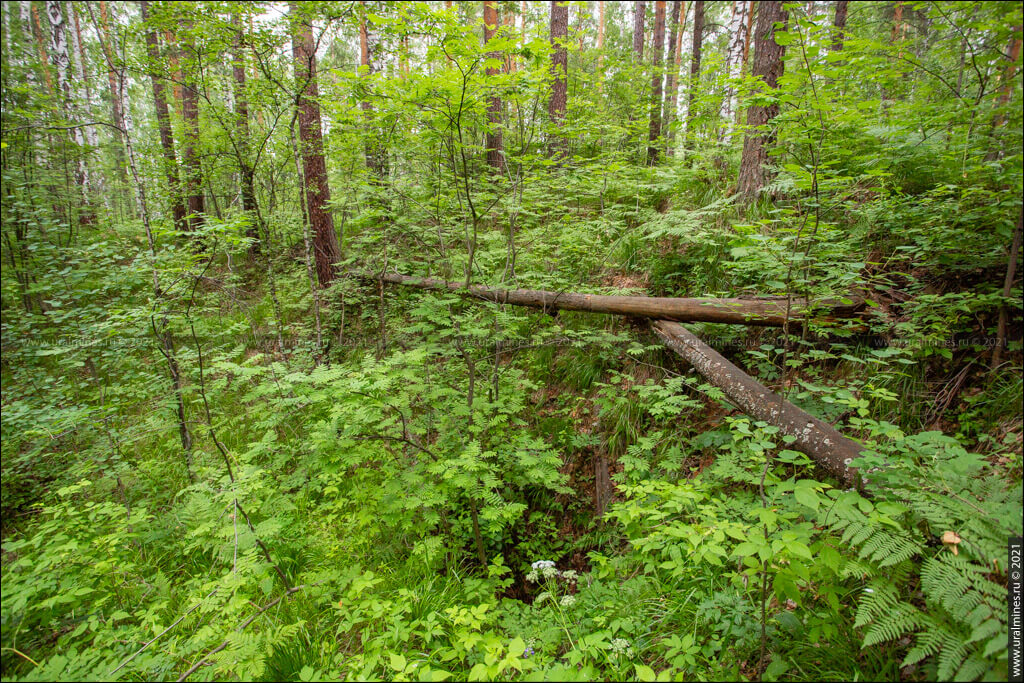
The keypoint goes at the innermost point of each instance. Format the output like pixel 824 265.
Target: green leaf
pixel 806 495
pixel 644 672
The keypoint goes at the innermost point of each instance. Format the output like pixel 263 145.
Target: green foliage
pixel 210 462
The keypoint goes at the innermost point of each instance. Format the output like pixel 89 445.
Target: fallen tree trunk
pixel 762 312
pixel 819 440
pixel 816 438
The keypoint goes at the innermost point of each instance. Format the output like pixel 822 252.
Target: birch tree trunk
pixel 62 61
pixel 738 29
pixel 673 96
pixel 83 95
pixel 25 17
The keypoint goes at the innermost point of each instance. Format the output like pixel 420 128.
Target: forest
pixel 587 340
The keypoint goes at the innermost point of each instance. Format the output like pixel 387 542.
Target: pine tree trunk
pixel 839 25
pixel 639 14
pixel 494 144
pixel 698 39
pixel 318 194
pixel 163 119
pixel 245 169
pixel 165 336
pixel 44 59
pixel 175 64
pixel 768 67
pixel 559 71
pixel 657 49
pixel 190 150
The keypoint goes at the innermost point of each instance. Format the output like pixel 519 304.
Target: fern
pixel 957 616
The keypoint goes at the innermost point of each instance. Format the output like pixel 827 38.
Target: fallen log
pixel 761 312
pixel 816 438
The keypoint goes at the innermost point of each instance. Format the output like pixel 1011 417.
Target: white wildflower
pixel 541 598
pixel 620 645
pixel 568 600
pixel 570 575
pixel 533 576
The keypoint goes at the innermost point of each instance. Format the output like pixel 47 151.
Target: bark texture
pixel 163 120
pixel 759 312
pixel 816 438
pixel 768 66
pixel 318 194
pixel 494 143
pixel 59 53
pixel 190 150
pixel 639 15
pixel 658 49
pixel 559 70
pixel 839 25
